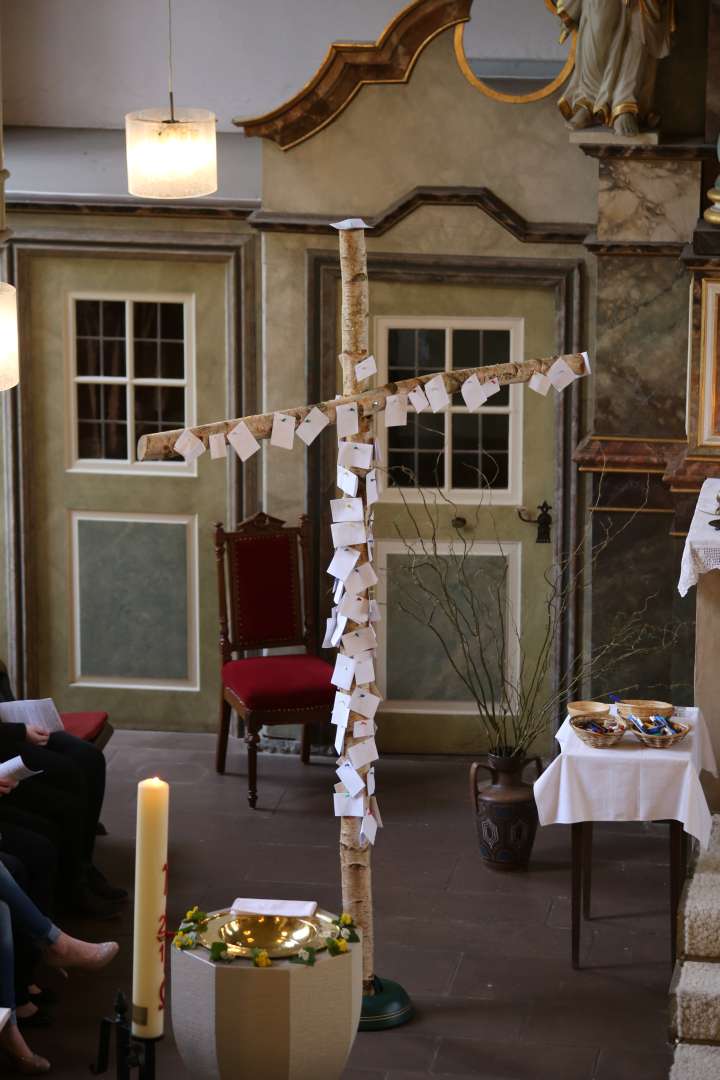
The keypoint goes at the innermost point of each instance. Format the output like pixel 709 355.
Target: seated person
pixel 21 919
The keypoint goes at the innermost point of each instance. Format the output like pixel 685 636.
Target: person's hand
pixel 36 736
pixel 6 786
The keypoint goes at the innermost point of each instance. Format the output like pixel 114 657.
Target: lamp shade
pixel 9 360
pixel 171 159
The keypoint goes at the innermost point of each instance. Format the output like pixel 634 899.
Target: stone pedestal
pixel 286 1022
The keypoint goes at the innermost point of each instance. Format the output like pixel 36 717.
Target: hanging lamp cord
pixel 170 64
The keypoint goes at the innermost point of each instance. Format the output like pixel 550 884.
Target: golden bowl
pixel 612 730
pixel 281 935
pixel 644 709
pixel 586 708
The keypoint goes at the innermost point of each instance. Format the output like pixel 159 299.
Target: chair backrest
pixel 266 583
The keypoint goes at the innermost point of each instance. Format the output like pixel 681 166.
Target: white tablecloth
pixel 702 543
pixel 629 781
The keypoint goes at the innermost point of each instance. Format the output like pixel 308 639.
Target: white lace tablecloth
pixel 702 544
pixel 629 781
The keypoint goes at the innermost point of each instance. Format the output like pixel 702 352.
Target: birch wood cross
pixel 355 851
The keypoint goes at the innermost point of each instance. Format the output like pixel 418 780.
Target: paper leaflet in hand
pixel 298 908
pixel 39 713
pixel 309 428
pixel 15 769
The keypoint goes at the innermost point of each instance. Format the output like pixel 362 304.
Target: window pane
pixel 146 359
pixel 495 470
pixel 89 406
pixel 89 440
pixel 88 356
pixel 478 348
pixel 401 469
pixel 466 351
pixel 115 441
pixel 466 470
pixel 87 318
pixel 113 353
pixel 496 346
pixel 160 407
pixel 145 319
pixel 172 360
pixel 495 431
pixel 172 323
pixel 430 469
pixel 430 431
pixel 113 318
pixel 466 431
pixel 415 352
pixel 114 403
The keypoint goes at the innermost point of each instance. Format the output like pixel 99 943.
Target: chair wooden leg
pixel 223 732
pixel 252 738
pixel 305 745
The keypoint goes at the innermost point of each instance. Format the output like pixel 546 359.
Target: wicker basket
pixel 661 742
pixel 644 709
pixel 588 708
pixel 616 730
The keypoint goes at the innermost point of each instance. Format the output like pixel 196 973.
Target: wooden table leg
pixel 576 890
pixel 587 827
pixel 678 869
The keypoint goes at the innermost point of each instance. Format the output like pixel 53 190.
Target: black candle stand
pixel 133 1056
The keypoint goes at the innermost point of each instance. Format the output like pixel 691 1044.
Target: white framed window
pixel 456 451
pixel 130 371
pixel 428 685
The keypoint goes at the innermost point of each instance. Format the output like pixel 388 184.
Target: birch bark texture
pixel 355 855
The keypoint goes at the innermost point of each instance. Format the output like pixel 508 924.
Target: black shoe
pixel 100 885
pixel 40 1019
pixel 45 997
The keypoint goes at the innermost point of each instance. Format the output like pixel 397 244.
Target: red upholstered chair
pixel 264 569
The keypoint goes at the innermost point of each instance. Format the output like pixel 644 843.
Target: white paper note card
pixel 346 509
pixel 396 408
pixel 347 481
pixel 355 608
pixel 418 399
pixel 349 223
pixel 561 375
pixel 586 358
pixel 339 740
pixel 283 431
pixel 437 395
pixel 329 630
pixel 363 753
pixel 351 778
pixel 347 806
pixel 343 562
pixel 355 455
pixel 473 393
pixel 370 780
pixel 341 709
pixel 492 386
pixel 363 729
pixel 363 577
pixel 309 428
pixel 343 672
pixel 373 490
pixel 364 669
pixel 218 446
pixel 368 829
pixel 346 420
pixel 347 533
pixel 375 811
pixel 539 383
pixel 365 368
pixel 365 703
pixel 341 622
pixel 189 445
pixel 243 441
pixel 358 641
pixel 374 612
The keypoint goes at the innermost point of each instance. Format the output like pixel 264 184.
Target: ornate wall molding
pixel 483 198
pixel 348 66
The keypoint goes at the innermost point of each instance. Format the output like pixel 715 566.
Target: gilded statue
pixel 619 43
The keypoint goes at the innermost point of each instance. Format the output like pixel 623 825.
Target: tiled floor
pixel 484 956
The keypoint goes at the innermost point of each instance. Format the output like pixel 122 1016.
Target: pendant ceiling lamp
pixel 9 360
pixel 171 152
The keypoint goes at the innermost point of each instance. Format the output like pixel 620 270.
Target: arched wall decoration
pixel 513 99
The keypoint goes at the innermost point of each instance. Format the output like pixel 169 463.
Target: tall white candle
pixel 151 844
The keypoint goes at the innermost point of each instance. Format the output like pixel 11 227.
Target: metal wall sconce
pixel 543 521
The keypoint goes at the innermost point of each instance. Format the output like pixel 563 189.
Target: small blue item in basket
pixel 654 726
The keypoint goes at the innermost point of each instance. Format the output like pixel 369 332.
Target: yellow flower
pixel 190 915
pixel 342 945
pixel 182 941
pixel 261 959
pixel 345 919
